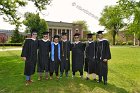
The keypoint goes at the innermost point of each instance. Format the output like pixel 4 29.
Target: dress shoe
pixel 39 78
pixel 27 82
pixel 105 82
pixel 51 77
pixel 99 81
pixel 87 78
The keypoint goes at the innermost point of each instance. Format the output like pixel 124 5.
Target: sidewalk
pixel 10 49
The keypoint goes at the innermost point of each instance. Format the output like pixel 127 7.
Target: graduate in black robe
pixel 55 57
pixel 29 55
pixel 65 58
pixel 103 55
pixel 77 56
pixel 90 59
pixel 43 55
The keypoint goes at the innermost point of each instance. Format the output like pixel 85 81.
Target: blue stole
pixel 52 51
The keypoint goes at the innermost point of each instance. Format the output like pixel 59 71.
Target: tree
pixel 8 8
pixel 3 38
pixel 83 23
pixel 131 10
pixel 84 27
pixel 16 37
pixel 34 22
pixel 111 18
pixel 41 4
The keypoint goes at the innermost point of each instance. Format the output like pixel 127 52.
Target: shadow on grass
pixel 69 85
pixel 13 81
pixel 77 85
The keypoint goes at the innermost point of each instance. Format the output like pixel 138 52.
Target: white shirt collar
pixel 45 40
pixel 90 41
pixel 55 43
pixel 102 39
pixel 64 40
pixel 33 39
pixel 77 42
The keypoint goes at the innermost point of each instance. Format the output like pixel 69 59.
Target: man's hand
pixel 24 58
pixel 105 60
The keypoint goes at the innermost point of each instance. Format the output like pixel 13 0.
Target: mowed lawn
pixel 123 77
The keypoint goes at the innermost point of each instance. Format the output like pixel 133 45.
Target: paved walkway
pixel 10 49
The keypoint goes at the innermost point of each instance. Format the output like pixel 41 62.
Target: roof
pixel 59 24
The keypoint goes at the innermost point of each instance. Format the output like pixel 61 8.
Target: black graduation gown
pixel 54 65
pixel 78 57
pixel 29 51
pixel 103 52
pixel 65 56
pixel 43 56
pixel 90 60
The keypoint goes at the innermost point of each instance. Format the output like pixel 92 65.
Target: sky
pixel 67 11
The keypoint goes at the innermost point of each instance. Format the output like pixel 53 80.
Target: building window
pixel 59 31
pixel 63 30
pixel 55 31
pixel 77 31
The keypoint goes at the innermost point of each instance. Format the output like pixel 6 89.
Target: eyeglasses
pixel 45 36
pixel 34 34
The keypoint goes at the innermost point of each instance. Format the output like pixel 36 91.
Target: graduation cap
pixel 89 35
pixel 33 32
pixel 56 36
pixel 64 33
pixel 100 32
pixel 45 33
pixel 76 34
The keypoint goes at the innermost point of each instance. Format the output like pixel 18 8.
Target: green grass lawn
pixel 124 76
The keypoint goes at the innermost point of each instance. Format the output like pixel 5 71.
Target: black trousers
pixel 103 70
pixel 64 65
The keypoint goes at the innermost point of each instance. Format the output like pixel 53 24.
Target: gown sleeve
pixel 25 48
pixel 108 53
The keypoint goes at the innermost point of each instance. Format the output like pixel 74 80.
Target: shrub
pixel 130 43
pixel 118 43
pixel 123 43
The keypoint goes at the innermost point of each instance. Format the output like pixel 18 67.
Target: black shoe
pixel 73 76
pixel 66 75
pixel 61 75
pixel 95 79
pixel 81 76
pixel 105 82
pixel 87 78
pixel 99 81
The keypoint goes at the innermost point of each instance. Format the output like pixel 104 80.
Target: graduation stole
pixel 87 44
pixel 65 49
pixel 52 51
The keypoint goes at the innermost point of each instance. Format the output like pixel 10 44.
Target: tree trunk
pixel 138 42
pixel 134 40
pixel 113 39
pixel 113 36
